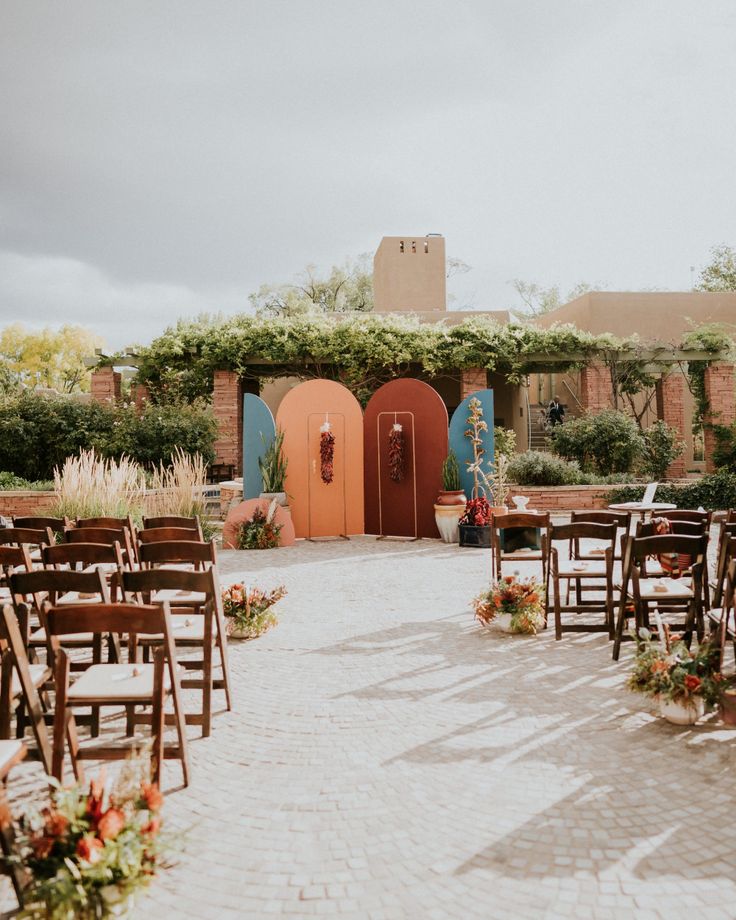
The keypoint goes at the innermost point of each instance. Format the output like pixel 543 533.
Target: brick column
pixel 595 388
pixel 105 385
pixel 140 394
pixel 227 406
pixel 473 379
pixel 670 393
pixel 719 392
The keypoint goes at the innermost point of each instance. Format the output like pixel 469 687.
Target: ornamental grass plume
pixel 178 489
pixel 89 486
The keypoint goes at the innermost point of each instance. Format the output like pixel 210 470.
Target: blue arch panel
pixel 462 446
pixel 259 430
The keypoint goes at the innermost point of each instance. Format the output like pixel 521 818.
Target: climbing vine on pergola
pixel 364 351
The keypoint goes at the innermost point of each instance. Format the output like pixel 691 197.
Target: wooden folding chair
pixel 12 559
pixel 196 602
pixel 11 753
pixel 20 684
pixel 640 590
pixel 174 520
pixel 723 619
pixel 34 538
pixel 116 685
pixel 591 571
pixel 519 522
pixel 724 555
pixel 114 522
pixel 107 536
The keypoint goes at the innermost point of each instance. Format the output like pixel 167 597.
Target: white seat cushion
pixel 183 628
pixel 9 750
pixel 74 597
pixel 179 598
pixel 675 589
pixel 39 638
pixel 38 676
pixel 114 682
pixel 582 569
pixel 715 615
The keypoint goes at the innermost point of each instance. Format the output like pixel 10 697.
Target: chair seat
pixel 9 754
pixel 676 589
pixel 715 615
pixel 183 629
pixel 115 683
pixel 521 555
pixel 38 637
pixel 179 598
pixel 107 567
pixel 585 569
pixel 76 598
pixel 39 675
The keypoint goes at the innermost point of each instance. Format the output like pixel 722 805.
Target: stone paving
pixel 390 759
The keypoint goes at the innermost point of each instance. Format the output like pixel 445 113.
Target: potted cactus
pixel 450 503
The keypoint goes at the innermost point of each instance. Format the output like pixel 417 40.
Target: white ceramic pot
pixel 447 517
pixel 503 622
pixel 678 714
pixel 521 501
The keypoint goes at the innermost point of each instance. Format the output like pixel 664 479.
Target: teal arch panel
pixel 462 446
pixel 259 430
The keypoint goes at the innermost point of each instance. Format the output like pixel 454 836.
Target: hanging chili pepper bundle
pixel 396 453
pixel 327 456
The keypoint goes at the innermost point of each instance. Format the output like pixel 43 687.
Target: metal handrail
pixel 573 394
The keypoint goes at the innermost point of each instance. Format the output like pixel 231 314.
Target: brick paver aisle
pixel 388 758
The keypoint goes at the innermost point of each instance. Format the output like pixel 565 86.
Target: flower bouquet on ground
pixel 683 681
pixel 516 605
pixel 260 531
pixel 248 610
pixel 91 849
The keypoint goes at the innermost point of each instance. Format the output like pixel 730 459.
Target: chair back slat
pixel 14 557
pixel 58 581
pixel 32 535
pixel 141 619
pixel 168 534
pixel 173 520
pixel 584 530
pixel 82 554
pixel 148 580
pixel 681 514
pixel 114 522
pixel 622 519
pixel 682 528
pixel 686 545
pixel 54 524
pixel 521 519
pixel 181 551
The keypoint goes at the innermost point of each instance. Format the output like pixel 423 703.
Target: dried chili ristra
pixel 396 454
pixel 327 456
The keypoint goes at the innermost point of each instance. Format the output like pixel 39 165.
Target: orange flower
pixel 692 683
pixel 153 827
pixel 88 848
pixel 110 824
pixel 659 666
pixel 152 796
pixel 42 846
pixel 55 824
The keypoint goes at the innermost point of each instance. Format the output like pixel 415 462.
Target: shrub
pixel 9 482
pixel 38 433
pixel 608 442
pixel 178 490
pixel 661 447
pixel 89 486
pixel 714 492
pixel 539 468
pixel 504 440
pixel 724 453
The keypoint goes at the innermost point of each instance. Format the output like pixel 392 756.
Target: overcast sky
pixel 162 158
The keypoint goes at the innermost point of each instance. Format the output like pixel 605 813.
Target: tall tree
pixel 720 273
pixel 48 357
pixel 347 288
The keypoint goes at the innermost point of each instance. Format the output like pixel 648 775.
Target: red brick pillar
pixel 227 405
pixel 473 379
pixel 105 385
pixel 140 394
pixel 595 388
pixel 719 393
pixel 670 390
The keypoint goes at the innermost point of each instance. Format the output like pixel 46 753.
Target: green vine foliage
pixel 362 351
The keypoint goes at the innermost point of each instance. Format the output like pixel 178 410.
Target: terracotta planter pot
pixel 452 498
pixel 727 706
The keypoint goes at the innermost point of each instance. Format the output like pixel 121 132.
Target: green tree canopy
pixel 720 273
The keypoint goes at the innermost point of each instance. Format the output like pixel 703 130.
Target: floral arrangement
pixel 522 600
pixel 248 610
pixel 90 850
pixel 477 512
pixel 396 453
pixel 260 531
pixel 327 455
pixel 666 668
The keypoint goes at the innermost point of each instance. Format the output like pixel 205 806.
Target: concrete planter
pixel 447 517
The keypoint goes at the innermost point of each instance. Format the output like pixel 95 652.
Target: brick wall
pixel 562 498
pixel 140 394
pixel 472 379
pixel 25 504
pixel 719 392
pixel 227 406
pixel 105 385
pixel 595 387
pixel 670 394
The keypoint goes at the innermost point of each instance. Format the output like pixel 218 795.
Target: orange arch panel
pixel 319 509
